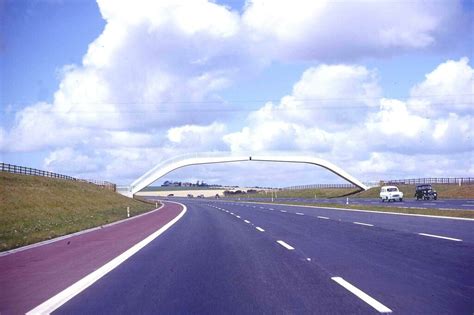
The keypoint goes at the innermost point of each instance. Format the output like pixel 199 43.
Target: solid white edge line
pixel 289 247
pixel 369 211
pixel 246 221
pixel 362 295
pixel 360 223
pixel 64 296
pixel 325 218
pixel 442 237
pixel 260 229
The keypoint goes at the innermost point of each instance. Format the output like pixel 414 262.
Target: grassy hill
pixel 34 208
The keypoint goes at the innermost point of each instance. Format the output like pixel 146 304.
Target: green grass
pixel 34 208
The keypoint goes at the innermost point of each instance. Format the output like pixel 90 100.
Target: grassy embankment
pixel 444 192
pixel 34 208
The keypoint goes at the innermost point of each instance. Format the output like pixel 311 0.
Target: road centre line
pixel 360 223
pixel 285 245
pixel 246 221
pixel 260 229
pixel 442 237
pixel 299 213
pixel 282 210
pixel 362 295
pixel 238 216
pixel 70 292
pixel 325 218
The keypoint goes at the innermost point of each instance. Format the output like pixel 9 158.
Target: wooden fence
pixel 431 180
pixel 15 169
pixel 316 186
pixel 411 181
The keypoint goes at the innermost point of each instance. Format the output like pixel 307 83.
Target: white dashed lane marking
pixel 285 245
pixel 325 218
pixel 360 223
pixel 246 221
pixel 260 229
pixel 362 295
pixel 442 237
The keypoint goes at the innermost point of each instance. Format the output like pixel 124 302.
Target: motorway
pixel 241 258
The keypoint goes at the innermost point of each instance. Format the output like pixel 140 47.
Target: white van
pixel 388 193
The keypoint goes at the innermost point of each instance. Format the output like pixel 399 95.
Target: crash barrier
pixel 430 180
pixel 16 169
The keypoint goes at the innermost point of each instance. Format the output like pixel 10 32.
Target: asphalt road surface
pixel 442 204
pixel 225 257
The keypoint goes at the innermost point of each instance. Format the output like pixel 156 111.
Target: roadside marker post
pixel 347 200
pixel 128 212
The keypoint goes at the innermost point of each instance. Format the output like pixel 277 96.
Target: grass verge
pixel 34 209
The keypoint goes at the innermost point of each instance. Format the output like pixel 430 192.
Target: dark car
pixel 425 192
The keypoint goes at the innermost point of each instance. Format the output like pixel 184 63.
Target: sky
pixel 106 90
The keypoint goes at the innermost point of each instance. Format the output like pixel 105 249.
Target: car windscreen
pixel 392 189
pixel 424 187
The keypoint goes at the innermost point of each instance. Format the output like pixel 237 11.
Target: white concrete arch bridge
pixel 167 166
